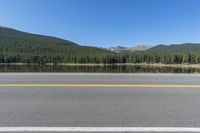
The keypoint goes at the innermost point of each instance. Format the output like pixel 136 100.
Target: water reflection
pixel 109 69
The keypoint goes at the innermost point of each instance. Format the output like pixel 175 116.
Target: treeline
pixel 55 59
pixel 106 58
pixel 55 55
pixel 165 58
pixel 62 53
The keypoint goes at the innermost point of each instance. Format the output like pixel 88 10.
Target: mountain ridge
pixel 176 48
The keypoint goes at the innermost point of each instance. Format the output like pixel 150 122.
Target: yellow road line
pixel 102 85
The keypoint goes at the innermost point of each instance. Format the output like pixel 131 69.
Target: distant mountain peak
pixel 141 47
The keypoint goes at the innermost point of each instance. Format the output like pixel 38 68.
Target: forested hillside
pixel 176 48
pixel 169 54
pixel 21 47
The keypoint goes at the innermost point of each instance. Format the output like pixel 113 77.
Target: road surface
pixel 101 101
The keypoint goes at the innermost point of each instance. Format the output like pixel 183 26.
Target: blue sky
pixel 105 23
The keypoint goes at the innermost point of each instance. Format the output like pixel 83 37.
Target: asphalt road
pixel 99 106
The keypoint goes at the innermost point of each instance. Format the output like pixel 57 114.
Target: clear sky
pixel 105 23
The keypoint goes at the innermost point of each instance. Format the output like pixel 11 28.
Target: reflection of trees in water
pixel 117 69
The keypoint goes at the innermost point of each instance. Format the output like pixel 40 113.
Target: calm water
pixel 109 69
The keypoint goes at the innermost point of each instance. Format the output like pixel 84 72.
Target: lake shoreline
pixel 197 66
pixel 117 64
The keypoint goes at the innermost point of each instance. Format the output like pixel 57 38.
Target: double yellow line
pixel 103 85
